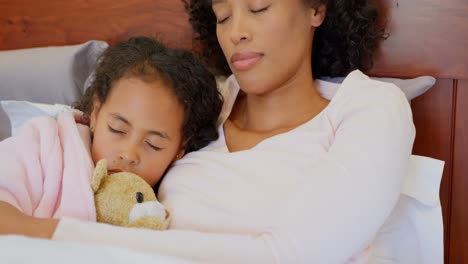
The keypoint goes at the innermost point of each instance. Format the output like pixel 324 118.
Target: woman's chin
pixel 254 85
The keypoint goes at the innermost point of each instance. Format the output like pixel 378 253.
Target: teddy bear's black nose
pixel 139 197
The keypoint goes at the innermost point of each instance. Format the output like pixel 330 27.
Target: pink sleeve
pixel 21 170
pixel 45 170
pixel 12 180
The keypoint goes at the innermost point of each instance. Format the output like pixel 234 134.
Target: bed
pixel 425 37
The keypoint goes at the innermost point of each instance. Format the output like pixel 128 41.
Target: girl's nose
pixel 129 157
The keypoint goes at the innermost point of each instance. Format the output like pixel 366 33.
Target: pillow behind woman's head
pixel 412 88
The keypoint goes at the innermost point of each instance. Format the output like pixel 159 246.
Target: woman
pixel 293 178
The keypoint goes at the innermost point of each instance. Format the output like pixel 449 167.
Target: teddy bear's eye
pixel 139 197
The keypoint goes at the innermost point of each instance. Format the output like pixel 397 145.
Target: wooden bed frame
pixel 426 37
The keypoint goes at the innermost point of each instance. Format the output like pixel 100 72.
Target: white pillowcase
pixel 46 75
pixel 414 231
pixel 412 88
pixel 19 112
pixel 327 88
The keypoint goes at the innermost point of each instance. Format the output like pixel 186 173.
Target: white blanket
pixel 18 249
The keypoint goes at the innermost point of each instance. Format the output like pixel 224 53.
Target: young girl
pixel 147 106
pixel 293 178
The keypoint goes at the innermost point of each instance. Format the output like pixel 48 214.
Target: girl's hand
pixel 14 222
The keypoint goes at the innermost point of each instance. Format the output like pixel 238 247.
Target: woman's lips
pixel 243 61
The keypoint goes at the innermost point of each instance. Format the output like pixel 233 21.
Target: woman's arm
pixel 349 193
pixel 14 222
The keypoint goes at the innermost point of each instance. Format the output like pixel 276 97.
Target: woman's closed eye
pixel 255 11
pixel 221 21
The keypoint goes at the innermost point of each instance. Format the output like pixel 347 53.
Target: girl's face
pixel 138 128
pixel 266 42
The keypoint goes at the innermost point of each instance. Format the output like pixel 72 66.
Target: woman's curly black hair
pixel 145 58
pixel 345 41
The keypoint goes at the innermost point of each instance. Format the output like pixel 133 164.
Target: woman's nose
pixel 239 30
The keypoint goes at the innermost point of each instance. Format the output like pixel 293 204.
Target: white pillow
pixel 414 231
pixel 411 87
pixel 18 112
pixel 21 111
pixel 48 75
pixel 327 88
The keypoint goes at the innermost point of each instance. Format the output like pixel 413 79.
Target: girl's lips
pixel 243 61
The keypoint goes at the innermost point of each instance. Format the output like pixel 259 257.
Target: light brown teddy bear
pixel 125 199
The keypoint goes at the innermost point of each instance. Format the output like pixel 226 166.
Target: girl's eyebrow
pixel 121 118
pixel 153 132
pixel 161 134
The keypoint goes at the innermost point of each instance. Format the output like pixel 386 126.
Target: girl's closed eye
pixel 115 131
pixel 153 146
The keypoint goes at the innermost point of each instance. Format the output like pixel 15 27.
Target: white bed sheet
pixel 413 233
pixel 19 249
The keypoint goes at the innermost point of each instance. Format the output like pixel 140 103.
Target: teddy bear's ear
pixel 99 173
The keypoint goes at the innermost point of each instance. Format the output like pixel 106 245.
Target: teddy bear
pixel 125 199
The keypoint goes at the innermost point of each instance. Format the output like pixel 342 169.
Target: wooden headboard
pixel 426 37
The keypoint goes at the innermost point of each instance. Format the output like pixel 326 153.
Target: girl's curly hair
pixel 345 41
pixel 145 58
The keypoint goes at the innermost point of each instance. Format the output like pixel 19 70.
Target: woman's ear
pixel 94 113
pixel 317 15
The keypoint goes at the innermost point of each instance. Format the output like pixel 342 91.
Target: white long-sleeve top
pixel 315 194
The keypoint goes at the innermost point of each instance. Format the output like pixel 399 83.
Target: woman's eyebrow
pixel 214 2
pixel 153 132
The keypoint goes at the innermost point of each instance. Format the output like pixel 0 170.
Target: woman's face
pixel 266 42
